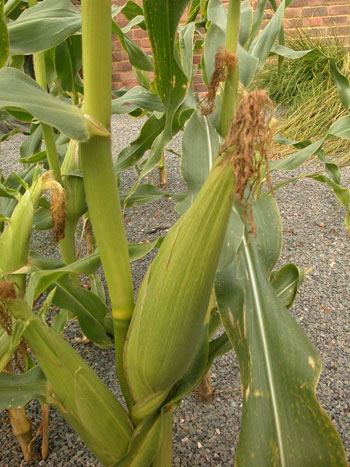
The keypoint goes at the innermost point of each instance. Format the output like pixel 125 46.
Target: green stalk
pixel 67 244
pixel 67 247
pixel 164 456
pixel 163 178
pixel 229 94
pixel 99 179
pixel 51 151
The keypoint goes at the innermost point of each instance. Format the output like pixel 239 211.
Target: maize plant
pixel 220 254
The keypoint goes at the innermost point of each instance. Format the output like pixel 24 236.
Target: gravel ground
pixel 314 235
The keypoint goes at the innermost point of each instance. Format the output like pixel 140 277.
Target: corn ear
pixel 172 304
pixel 73 185
pixel 15 239
pixel 84 401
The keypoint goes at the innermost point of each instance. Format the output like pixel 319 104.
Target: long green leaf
pixel 131 154
pixel 138 97
pixel 9 344
pixel 137 56
pixel 282 421
pixel 145 193
pixel 10 5
pixel 215 36
pixel 286 282
pixel 19 91
pixel 67 61
pixel 200 145
pixel 246 22
pixel 339 129
pixel 45 271
pixel 18 390
pixel 43 26
pixel 342 84
pixel 257 19
pixel 131 9
pixel 262 45
pixel 186 35
pixel 87 307
pixel 170 83
pixel 247 65
pixel 4 37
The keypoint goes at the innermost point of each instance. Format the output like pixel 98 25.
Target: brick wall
pixel 319 18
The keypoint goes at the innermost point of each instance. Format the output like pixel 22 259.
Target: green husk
pixel 173 300
pixel 73 184
pixel 84 401
pixel 15 239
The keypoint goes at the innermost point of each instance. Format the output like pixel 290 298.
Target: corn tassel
pixel 84 401
pixel 174 296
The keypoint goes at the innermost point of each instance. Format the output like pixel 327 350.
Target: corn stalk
pixel 100 184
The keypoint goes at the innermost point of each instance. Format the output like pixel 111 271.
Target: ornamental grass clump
pixel 305 92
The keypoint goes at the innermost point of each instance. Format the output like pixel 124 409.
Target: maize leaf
pixel 4 37
pixel 84 401
pixel 286 282
pixel 9 344
pixel 200 144
pixel 46 271
pixel 170 83
pixel 87 307
pixel 282 421
pixel 172 304
pixel 18 390
pixel 43 26
pixel 24 97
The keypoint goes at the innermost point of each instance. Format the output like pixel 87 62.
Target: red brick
pixel 339 10
pixel 200 88
pixel 339 2
pixel 316 32
pixel 293 23
pixel 145 44
pixel 313 21
pixel 300 3
pixel 315 11
pixel 315 2
pixel 334 20
pixel 197 78
pixel 123 66
pixel 293 13
pixel 121 21
pixel 196 59
pixel 339 31
pixel 138 33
